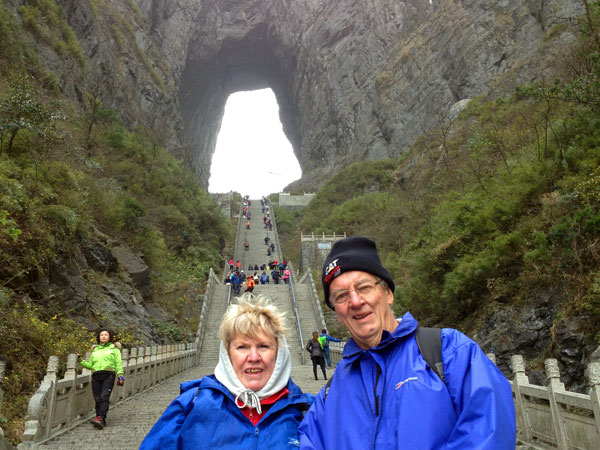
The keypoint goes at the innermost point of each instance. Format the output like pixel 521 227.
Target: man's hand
pixel 120 381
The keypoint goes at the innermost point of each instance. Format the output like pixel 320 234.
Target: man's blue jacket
pixel 209 419
pixel 387 397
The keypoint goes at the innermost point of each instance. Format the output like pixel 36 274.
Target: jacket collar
pixel 407 325
pixel 295 393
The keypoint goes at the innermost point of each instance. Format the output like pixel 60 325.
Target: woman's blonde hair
pixel 249 316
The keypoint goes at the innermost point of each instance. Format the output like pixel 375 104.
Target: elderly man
pixel 383 393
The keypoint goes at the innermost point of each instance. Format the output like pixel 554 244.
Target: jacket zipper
pixel 378 374
pixel 375 390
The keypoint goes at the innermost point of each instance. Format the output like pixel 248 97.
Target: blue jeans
pixel 327 357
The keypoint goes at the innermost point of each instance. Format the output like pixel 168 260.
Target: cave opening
pixel 253 156
pixel 219 68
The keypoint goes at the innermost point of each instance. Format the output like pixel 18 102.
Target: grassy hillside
pixel 68 174
pixel 493 207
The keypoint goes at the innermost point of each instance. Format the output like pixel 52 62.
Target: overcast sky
pixel 253 156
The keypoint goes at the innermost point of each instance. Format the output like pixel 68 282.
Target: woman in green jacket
pixel 105 362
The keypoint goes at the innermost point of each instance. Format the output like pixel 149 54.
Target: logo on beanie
pixel 332 270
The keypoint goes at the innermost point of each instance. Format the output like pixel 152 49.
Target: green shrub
pixel 62 218
pixel 168 330
pixel 131 212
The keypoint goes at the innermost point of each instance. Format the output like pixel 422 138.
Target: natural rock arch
pixel 354 79
pixel 238 64
pixel 321 60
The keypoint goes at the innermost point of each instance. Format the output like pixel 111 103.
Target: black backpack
pixel 429 341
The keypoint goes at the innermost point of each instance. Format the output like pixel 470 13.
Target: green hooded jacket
pixel 105 357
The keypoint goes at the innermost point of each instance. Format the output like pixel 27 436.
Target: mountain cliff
pixel 354 79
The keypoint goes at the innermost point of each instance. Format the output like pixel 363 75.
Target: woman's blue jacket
pixel 204 416
pixel 387 397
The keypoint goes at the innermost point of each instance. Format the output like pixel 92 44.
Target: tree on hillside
pixel 21 110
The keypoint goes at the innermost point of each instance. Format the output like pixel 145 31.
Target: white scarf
pixel 279 378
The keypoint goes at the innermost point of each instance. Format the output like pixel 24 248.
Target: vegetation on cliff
pixel 67 176
pixel 495 206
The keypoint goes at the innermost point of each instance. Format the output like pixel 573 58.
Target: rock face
pixel 136 268
pixel 101 284
pixel 537 332
pixel 354 79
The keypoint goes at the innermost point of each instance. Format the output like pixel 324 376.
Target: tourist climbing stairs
pixel 130 420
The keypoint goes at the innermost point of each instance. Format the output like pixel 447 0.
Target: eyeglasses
pixel 364 290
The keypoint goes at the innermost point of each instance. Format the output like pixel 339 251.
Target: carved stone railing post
pixel 174 360
pixel 593 376
pixel 39 411
pixel 140 370
pixel 517 364
pixel 71 374
pixel 160 357
pixel 90 396
pixel 132 371
pixel 554 386
pixel 154 364
pixel 148 378
pixel 123 391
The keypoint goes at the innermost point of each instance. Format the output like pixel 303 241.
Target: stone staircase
pixel 129 421
pixel 308 321
pixel 209 354
pixel 257 253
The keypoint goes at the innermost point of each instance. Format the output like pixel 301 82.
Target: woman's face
pixel 253 360
pixel 104 337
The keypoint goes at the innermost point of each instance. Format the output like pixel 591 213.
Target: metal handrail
pixel 314 297
pixel 292 295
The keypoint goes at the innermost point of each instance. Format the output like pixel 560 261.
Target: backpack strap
pixel 429 341
pixel 327 386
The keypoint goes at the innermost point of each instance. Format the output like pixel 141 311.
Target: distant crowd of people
pixel 273 270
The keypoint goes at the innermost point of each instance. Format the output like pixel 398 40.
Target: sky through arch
pixel 252 156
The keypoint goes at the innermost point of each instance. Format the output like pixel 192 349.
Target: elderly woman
pixel 250 402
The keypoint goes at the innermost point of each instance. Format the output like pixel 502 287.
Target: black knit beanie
pixel 353 253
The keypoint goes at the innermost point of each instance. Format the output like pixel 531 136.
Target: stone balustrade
pixel 552 417
pixel 61 403
pixel 321 237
